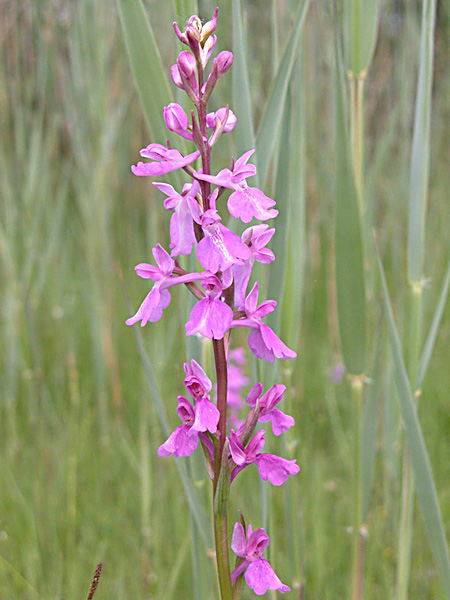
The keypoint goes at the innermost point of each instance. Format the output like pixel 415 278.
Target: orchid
pixel 183 440
pixel 259 575
pixel 210 317
pixel 166 160
pixel 268 411
pixel 271 467
pixel 196 382
pixel 184 205
pixel 158 298
pixel 245 202
pixel 220 116
pixel 262 341
pixel 176 120
pixel 220 247
pixel 256 238
pixel 226 261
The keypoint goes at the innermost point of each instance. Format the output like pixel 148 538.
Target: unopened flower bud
pixel 221 115
pixel 175 74
pixel 194 27
pixel 176 120
pixel 224 60
pixel 186 63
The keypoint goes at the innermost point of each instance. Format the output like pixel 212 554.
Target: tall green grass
pixel 79 416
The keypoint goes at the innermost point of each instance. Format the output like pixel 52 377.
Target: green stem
pixel 221 484
pixel 221 495
pixel 357 393
pixel 357 134
pixel 407 503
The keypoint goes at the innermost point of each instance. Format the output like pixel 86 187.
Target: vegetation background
pixel 79 477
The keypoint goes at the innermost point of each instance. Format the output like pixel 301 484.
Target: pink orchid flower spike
pixel 245 202
pixel 259 575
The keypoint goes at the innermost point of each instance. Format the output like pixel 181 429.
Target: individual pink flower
pixel 166 160
pixel 176 120
pixel 259 575
pixel 158 298
pixel 196 382
pixel 184 205
pixel 210 317
pixel 183 440
pixel 220 114
pixel 245 202
pixel 256 238
pixel 220 248
pixel 268 411
pixel 271 467
pixel 262 341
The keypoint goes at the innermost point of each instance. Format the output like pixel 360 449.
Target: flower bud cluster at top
pixel 220 286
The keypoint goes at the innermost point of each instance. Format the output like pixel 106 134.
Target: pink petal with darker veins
pixel 273 342
pixel 238 541
pixel 281 422
pixel 275 468
pixel 165 263
pixel 247 202
pixel 211 318
pixel 180 443
pixel 207 416
pixel 151 308
pixel 260 577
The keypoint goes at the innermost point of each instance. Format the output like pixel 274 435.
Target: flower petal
pixel 238 541
pixel 207 416
pixel 180 443
pixel 260 577
pixel 275 468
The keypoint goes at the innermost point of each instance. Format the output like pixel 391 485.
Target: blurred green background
pixel 79 477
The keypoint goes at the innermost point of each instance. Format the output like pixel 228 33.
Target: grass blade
pixel 242 104
pixel 432 334
pixel 149 76
pixel 420 158
pixel 350 282
pixel 293 292
pixel 361 17
pixel 273 112
pixel 426 491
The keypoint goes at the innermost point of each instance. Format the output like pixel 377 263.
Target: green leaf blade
pixel 275 106
pixel 349 252
pixel 146 64
pixel 420 156
pixel 426 490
